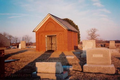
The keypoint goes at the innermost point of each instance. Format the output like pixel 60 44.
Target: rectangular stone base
pixel 60 76
pixel 108 69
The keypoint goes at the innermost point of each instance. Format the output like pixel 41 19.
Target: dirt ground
pixel 23 68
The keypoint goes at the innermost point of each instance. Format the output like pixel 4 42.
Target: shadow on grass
pixel 8 55
pixel 118 58
pixel 26 72
pixel 82 59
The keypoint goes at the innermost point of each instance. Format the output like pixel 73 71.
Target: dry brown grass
pixel 28 57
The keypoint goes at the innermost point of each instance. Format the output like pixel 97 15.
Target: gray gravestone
pixel 99 61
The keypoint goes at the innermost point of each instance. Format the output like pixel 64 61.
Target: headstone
pixel 51 70
pixel 112 45
pixel 19 46
pixel 23 44
pixel 99 61
pixel 87 44
pixel 49 67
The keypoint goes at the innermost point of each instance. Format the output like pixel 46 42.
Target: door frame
pixel 48 36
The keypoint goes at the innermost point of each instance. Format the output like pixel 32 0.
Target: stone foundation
pixel 107 69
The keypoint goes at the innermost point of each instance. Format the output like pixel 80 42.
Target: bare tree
pixel 92 35
pixel 10 37
pixel 26 38
pixel 15 39
pixel 5 34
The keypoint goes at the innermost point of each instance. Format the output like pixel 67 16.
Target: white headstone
pixel 19 46
pixel 88 44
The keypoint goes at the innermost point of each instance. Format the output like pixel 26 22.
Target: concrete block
pixel 49 67
pixel 99 56
pixel 108 69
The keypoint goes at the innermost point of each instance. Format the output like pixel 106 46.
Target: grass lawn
pixel 28 57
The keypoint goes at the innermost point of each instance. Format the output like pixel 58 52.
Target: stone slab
pixel 99 56
pixel 112 45
pixel 60 76
pixel 107 69
pixel 88 44
pixel 49 67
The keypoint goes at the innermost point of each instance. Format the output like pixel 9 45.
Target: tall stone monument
pixel 99 61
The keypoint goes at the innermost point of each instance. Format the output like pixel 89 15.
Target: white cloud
pixel 14 16
pixel 80 1
pixel 98 4
pixel 83 16
pixel 104 10
pixel 102 15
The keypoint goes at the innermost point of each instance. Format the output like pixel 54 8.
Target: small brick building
pixel 54 33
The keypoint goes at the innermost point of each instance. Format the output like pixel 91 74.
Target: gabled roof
pixel 60 21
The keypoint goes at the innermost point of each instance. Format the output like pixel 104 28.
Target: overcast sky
pixel 20 17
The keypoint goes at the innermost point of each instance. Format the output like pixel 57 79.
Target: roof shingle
pixel 62 22
pixel 65 23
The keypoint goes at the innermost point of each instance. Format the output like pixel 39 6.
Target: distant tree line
pixel 14 39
